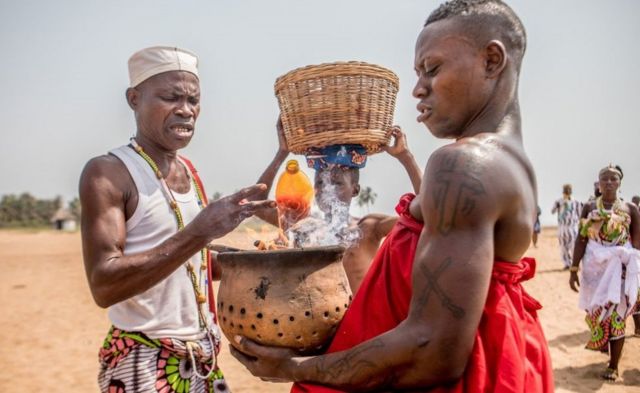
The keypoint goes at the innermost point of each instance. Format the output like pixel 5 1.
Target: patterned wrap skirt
pixel 131 362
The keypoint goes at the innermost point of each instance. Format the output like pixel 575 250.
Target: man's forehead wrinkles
pixel 181 88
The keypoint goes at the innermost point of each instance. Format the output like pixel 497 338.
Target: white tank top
pixel 168 309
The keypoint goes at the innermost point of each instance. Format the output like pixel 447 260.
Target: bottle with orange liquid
pixel 294 193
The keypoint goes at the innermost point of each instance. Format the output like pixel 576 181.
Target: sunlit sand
pixel 52 329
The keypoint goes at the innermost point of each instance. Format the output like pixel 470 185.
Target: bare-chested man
pixel 344 183
pixel 470 326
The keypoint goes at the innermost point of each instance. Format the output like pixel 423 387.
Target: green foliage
pixel 26 211
pixel 366 197
pixel 74 208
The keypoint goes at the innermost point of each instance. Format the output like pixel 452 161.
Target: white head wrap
pixel 158 59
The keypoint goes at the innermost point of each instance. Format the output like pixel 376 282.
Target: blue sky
pixel 64 73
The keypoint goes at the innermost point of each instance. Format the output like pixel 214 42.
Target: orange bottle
pixel 294 193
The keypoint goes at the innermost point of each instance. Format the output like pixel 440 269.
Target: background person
pixel 336 183
pixel 607 246
pixel 568 210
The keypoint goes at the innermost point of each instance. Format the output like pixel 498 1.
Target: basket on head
pixel 337 103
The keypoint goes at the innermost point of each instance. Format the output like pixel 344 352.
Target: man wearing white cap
pixel 145 227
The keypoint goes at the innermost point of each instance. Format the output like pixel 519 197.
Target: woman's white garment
pixel 168 309
pixel 601 280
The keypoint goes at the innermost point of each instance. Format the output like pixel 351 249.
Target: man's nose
pixel 420 89
pixel 185 109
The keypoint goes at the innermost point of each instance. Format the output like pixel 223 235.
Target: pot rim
pixel 334 252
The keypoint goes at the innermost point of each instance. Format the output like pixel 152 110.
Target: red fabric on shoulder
pixel 194 173
pixel 205 201
pixel 382 301
pixel 510 353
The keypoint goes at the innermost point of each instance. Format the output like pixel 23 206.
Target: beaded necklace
pixel 608 226
pixel 197 282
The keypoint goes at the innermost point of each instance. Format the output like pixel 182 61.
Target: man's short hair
pixel 486 15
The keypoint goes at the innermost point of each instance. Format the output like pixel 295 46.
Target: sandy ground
pixel 52 328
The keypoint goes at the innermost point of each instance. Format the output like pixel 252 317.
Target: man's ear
pixel 356 190
pixel 496 59
pixel 133 96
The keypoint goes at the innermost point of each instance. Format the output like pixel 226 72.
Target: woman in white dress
pixel 607 245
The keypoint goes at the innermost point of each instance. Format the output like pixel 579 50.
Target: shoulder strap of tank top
pixel 130 159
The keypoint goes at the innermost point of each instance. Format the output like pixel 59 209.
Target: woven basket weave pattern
pixel 337 103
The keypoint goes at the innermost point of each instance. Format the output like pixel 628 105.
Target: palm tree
pixel 367 197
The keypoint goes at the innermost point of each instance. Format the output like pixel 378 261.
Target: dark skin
pixel 166 108
pixel 478 201
pixel 566 193
pixel 374 227
pixel 609 182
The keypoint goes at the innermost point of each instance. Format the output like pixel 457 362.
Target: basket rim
pixel 352 67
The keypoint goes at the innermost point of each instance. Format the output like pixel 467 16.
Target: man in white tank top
pixel 145 227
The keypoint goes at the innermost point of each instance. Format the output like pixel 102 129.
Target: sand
pixel 52 328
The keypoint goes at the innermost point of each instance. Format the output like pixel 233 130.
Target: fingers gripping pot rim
pixel 292 298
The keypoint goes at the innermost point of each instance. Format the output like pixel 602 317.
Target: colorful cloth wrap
pixel 610 274
pixel 133 362
pixel 608 290
pixel 510 352
pixel 349 156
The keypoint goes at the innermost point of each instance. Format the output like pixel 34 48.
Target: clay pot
pixel 289 298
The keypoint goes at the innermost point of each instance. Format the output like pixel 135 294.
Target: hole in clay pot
pixel 259 315
pixel 299 338
pixel 291 318
pixel 350 297
pixel 240 327
pixel 231 308
pixel 224 319
pixel 314 334
pixel 253 327
pixel 242 310
pixel 280 334
pixel 337 309
pixel 259 336
pixel 307 313
pixel 232 325
pixel 275 321
pixel 221 305
pixel 326 314
pixel 346 306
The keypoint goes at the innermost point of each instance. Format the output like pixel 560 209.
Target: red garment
pixel 210 295
pixel 510 351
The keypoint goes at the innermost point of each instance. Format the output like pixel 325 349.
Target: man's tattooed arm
pixel 450 280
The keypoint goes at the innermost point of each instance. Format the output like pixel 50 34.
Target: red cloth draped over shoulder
pixel 510 351
pixel 210 295
pixel 382 301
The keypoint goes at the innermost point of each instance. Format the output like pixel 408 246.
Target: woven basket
pixel 337 103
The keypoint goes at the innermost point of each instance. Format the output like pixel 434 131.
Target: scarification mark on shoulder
pixel 458 185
